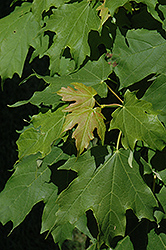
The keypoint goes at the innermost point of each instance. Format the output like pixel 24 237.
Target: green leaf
pixel 159 216
pixel 144 55
pixel 47 129
pixel 161 196
pixel 137 121
pixel 125 244
pixel 50 209
pixel 81 224
pixel 114 5
pixel 151 7
pixel 64 232
pixel 163 9
pixel 67 66
pixel 41 47
pixel 17 34
pixel 46 97
pixel 28 185
pixel 65 228
pixel 87 119
pixel 83 96
pixel 108 191
pixel 38 6
pixel 92 74
pixel 93 246
pixel 156 95
pixel 163 176
pixel 72 24
pixel 155 241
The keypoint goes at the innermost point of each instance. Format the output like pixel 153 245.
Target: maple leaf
pixel 138 121
pixel 83 96
pixel 72 24
pixel 87 119
pixel 83 114
pixel 16 37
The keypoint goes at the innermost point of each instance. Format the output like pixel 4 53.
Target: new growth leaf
pixel 83 114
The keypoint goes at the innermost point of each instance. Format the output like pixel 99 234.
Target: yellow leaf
pixel 104 13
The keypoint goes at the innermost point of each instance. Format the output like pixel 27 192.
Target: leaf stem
pixel 111 105
pixel 98 103
pixel 114 94
pixel 118 140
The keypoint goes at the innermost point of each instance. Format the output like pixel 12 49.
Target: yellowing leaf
pixel 87 119
pixel 83 97
pixel 103 13
pixel 83 114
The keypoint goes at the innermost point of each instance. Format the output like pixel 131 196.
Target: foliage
pixel 101 119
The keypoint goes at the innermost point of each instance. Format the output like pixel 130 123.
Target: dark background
pixel 27 235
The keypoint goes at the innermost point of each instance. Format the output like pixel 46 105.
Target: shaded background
pixel 27 235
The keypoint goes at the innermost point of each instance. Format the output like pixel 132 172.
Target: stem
pixel 111 105
pixel 98 103
pixel 114 94
pixel 118 141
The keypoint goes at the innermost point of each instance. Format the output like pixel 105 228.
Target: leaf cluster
pixel 101 118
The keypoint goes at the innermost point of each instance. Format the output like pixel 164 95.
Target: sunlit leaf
pixel 125 244
pixel 114 5
pixel 83 96
pixel 143 54
pixel 163 9
pixel 83 114
pixel 87 119
pixel 156 94
pixel 72 24
pixel 16 37
pixel 104 13
pixel 28 185
pixel 162 193
pixel 92 74
pixel 137 121
pixel 109 191
pixel 155 241
pixel 47 129
pixel 39 6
